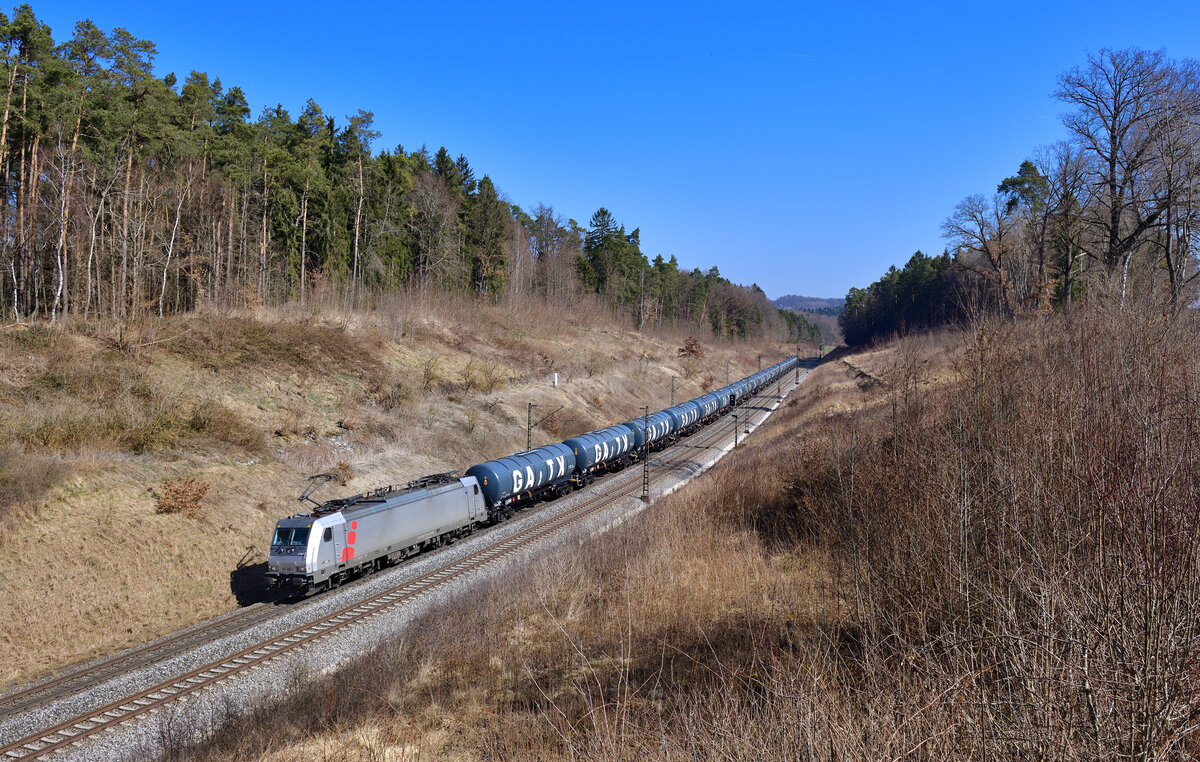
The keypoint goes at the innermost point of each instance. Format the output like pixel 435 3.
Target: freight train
pixel 348 537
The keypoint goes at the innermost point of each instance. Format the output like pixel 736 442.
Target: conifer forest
pixel 128 195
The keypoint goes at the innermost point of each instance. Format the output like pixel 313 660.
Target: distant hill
pixel 818 310
pixel 811 304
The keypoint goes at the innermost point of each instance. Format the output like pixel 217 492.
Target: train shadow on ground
pixel 248 581
pixel 249 584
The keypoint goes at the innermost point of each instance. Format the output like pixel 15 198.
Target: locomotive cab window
pixel 328 534
pixel 291 536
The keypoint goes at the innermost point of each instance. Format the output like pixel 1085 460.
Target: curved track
pixel 75 730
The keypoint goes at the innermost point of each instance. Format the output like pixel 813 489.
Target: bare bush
pixel 297 420
pixel 472 376
pixel 568 422
pixel 343 471
pixel 430 372
pixel 182 495
pixel 214 418
pixel 473 417
pixel 493 377
pixel 691 353
pixel 390 395
pixel 24 479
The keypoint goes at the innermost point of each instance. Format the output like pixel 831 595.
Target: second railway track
pixel 73 680
pixel 75 730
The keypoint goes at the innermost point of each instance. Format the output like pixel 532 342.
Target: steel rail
pixel 69 682
pixel 75 730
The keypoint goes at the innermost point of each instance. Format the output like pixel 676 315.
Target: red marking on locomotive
pixel 351 538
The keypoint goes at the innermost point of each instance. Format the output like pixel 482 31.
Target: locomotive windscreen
pixel 290 536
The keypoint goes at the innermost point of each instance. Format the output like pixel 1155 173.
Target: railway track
pixel 71 682
pixel 74 731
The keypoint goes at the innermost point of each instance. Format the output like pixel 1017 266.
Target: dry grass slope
pixel 98 419
pixel 990 547
pixel 620 650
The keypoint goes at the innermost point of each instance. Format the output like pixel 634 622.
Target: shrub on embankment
pixel 997 558
pixel 1025 549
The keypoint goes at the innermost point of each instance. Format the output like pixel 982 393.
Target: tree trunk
pixel 16 310
pixel 1167 256
pixel 171 245
pixel 31 208
pixel 196 260
pixel 1125 276
pixel 262 247
pixel 303 239
pixel 125 229
pixel 4 173
pixel 243 265
pixel 59 254
pixel 87 299
pixel 357 227
pixel 1067 281
pixel 229 251
pixel 12 78
pixel 19 252
pixel 63 257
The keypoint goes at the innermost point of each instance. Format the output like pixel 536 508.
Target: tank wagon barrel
pixel 603 449
pixel 638 427
pixel 709 405
pixel 523 477
pixel 683 417
pixel 656 435
pixel 727 396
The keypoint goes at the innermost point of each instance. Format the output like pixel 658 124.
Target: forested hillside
pixel 817 304
pixel 1109 211
pixel 128 195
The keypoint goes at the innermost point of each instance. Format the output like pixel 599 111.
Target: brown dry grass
pixel 96 415
pixel 991 549
pixel 699 606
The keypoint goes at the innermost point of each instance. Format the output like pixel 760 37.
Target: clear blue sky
pixel 799 146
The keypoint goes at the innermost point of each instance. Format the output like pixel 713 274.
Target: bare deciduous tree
pixel 435 222
pixel 985 227
pixel 1122 101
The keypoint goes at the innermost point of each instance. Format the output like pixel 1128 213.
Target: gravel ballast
pixel 194 717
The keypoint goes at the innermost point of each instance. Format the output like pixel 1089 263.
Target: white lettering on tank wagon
pixel 523 479
pixel 561 460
